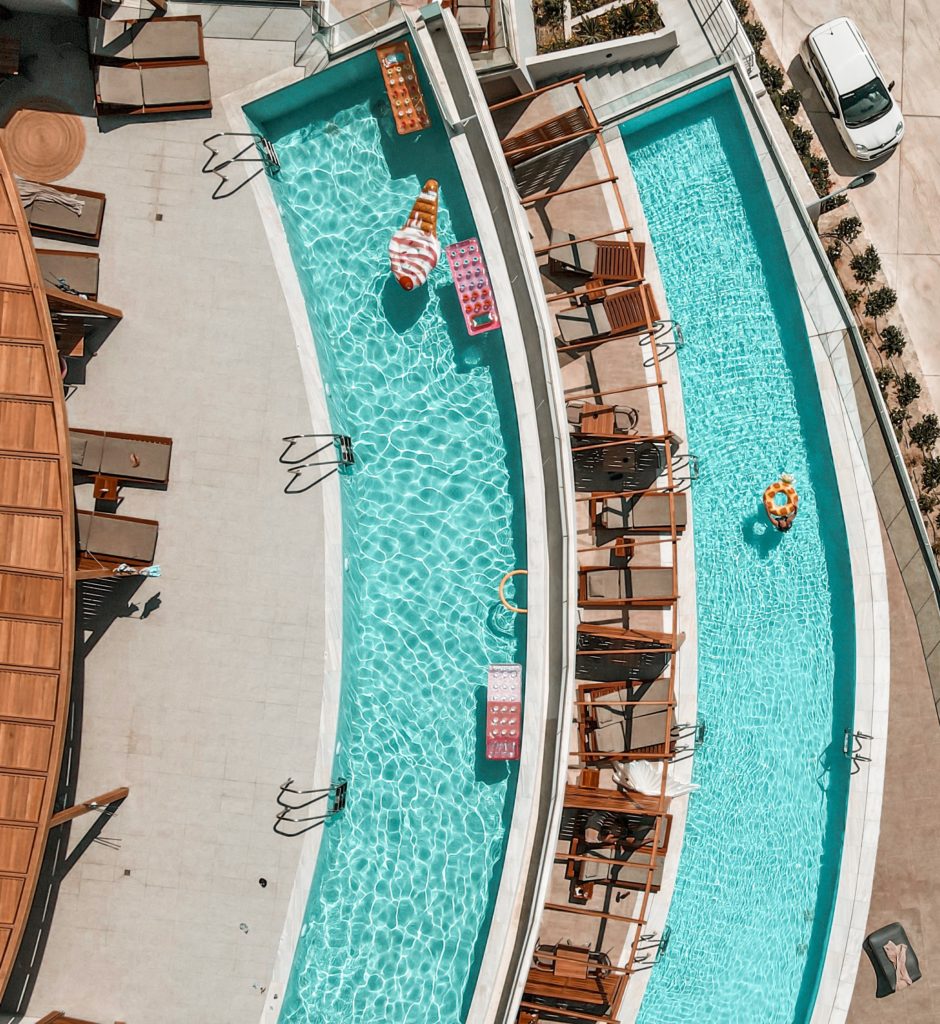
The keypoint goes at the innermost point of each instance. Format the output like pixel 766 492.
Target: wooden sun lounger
pixel 544 136
pixel 611 654
pixel 52 220
pixel 146 40
pixel 130 458
pixel 138 90
pixel 610 728
pixel 609 262
pixel 79 270
pixel 645 513
pixel 602 586
pixel 616 315
pixel 106 541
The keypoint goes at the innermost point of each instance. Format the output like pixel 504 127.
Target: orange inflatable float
pixel 414 250
pixel 781 502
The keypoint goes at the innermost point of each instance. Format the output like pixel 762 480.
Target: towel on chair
pixel 32 192
pixel 897 954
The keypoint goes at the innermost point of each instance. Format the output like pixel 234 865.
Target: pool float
pixel 415 250
pixel 781 512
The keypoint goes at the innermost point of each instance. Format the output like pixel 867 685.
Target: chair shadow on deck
pixel 101 603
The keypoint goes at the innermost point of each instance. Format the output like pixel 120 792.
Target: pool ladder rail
pixel 852 745
pixel 342 449
pixel 335 795
pixel 265 156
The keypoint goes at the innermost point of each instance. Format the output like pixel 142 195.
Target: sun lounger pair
pixel 142 89
pixel 609 726
pixel 147 40
pixel 75 273
pixel 621 313
pixel 128 458
pixel 106 542
pixel 51 219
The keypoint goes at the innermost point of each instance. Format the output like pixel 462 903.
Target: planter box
pixel 565 63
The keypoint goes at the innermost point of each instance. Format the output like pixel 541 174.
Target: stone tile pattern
pixel 908 862
pixel 208 703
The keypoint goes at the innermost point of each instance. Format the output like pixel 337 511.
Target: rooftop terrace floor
pixel 203 694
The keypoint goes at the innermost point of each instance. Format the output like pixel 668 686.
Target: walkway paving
pixel 908 865
pixel 898 208
pixel 204 693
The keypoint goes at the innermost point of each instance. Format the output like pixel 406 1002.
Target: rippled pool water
pixel 757 878
pixel 433 516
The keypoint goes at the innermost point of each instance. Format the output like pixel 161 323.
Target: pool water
pixel 750 917
pixel 433 516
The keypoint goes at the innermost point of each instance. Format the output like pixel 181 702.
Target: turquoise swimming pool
pixel 433 516
pixel 751 913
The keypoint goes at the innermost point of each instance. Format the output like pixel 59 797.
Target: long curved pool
pixel 433 515
pixel 750 917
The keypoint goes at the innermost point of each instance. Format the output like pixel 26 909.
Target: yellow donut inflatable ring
pixel 781 500
pixel 502 596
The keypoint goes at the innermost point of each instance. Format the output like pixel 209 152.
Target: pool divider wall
pixel 549 481
pixel 848 435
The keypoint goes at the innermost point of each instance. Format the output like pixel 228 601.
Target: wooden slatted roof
pixel 37 560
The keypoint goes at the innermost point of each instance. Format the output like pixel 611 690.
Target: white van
pixel 853 89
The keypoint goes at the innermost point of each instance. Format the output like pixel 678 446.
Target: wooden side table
pixel 106 488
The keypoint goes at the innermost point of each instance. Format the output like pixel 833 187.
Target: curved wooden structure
pixel 37 560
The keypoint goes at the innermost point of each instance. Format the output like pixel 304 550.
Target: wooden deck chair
pixel 626 311
pixel 609 262
pixel 145 40
pixel 129 458
pixel 76 271
pixel 107 541
pixel 52 220
pixel 138 90
pixel 644 513
pixel 611 730
pixel 541 137
pixel 602 586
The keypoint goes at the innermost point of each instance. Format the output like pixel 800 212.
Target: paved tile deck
pixel 905 887
pixel 204 696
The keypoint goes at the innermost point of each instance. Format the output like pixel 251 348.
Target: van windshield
pixel 865 104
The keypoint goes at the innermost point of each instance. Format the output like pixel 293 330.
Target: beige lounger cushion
pixel 114 456
pixel 645 731
pixel 77 270
pixel 581 257
pixel 120 87
pixel 152 39
pixel 86 451
pixel 641 584
pixel 585 322
pixel 164 87
pixel 117 538
pixel 42 214
pixel 650 512
pixel 604 714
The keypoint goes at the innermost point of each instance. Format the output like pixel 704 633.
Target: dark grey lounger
pixel 884 970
